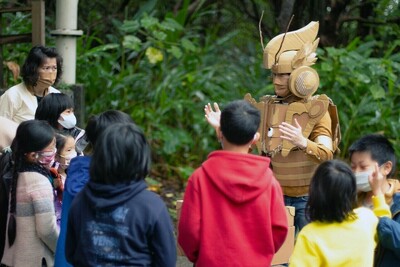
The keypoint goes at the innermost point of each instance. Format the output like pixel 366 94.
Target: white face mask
pixel 69 121
pixel 67 158
pixel 362 181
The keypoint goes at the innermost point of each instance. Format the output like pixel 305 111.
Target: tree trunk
pixel 366 13
pixel 330 33
pixel 285 13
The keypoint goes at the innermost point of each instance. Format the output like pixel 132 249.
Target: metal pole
pixel 66 34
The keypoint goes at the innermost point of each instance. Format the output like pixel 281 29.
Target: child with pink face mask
pixel 58 111
pixel 65 146
pixel 31 233
pixel 41 70
pixel 65 152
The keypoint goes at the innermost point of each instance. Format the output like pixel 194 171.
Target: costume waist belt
pixel 294 170
pixel 295 191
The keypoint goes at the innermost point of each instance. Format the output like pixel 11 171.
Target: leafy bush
pixel 14 23
pixel 365 89
pixel 164 70
pixel 163 73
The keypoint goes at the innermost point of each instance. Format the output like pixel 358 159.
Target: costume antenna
pixel 283 39
pixel 259 29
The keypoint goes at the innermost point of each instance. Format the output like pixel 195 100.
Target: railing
pixel 36 36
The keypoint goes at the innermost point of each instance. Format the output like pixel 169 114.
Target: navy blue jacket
pixel 388 253
pixel 119 225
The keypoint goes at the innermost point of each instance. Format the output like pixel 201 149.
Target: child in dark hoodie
pixel 233 212
pixel 114 220
pixel 78 173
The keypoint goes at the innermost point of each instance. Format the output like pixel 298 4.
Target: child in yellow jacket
pixel 340 234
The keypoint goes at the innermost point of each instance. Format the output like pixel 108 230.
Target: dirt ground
pixel 170 191
pixel 183 262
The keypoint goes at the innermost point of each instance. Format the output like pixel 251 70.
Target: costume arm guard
pixel 319 144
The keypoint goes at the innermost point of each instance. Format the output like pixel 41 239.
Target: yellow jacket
pixel 349 243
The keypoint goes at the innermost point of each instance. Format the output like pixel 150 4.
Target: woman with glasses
pixel 31 234
pixel 42 69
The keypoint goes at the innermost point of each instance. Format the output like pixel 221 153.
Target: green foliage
pixel 365 90
pixel 14 23
pixel 163 72
pixel 162 67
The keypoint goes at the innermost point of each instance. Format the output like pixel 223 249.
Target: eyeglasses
pixel 49 68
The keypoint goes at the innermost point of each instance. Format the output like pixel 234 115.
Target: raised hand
pixel 213 117
pixel 376 180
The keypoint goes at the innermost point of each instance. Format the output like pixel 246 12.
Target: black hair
pixel 379 147
pixel 332 193
pixel 31 136
pixel 35 58
pixel 98 123
pixel 61 140
pixel 51 106
pixel 239 122
pixel 121 154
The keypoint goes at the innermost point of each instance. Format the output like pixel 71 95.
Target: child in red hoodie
pixel 233 212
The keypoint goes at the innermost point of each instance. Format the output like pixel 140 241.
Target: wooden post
pixel 38 19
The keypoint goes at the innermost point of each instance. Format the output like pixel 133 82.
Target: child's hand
pixel 376 181
pixel 213 117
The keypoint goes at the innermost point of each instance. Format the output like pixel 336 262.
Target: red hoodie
pixel 233 212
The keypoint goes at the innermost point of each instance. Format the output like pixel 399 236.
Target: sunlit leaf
pixel 377 91
pixel 149 22
pixel 130 26
pixel 175 51
pixel 132 42
pixel 160 35
pixel 171 25
pixel 188 45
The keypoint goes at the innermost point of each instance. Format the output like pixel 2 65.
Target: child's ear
pixel 256 137
pixel 387 168
pixel 31 156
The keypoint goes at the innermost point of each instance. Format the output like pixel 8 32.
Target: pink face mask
pixel 46 158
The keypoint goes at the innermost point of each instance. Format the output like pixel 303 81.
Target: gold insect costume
pixel 293 53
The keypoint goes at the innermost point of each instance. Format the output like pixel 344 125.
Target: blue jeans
pixel 299 203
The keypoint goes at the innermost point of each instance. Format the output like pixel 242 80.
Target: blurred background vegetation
pixel 162 61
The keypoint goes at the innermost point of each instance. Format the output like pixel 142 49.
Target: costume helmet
pixel 293 53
